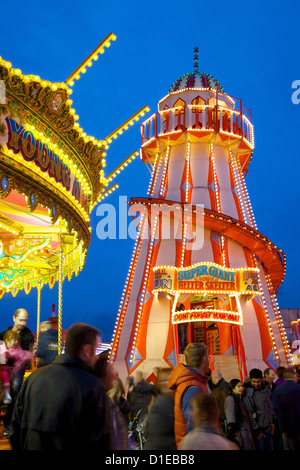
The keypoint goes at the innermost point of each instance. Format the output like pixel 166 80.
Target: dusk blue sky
pixel 252 48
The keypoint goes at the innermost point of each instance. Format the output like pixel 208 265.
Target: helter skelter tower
pixel 214 277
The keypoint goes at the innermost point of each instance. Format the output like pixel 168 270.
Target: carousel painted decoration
pixel 51 178
pixel 201 271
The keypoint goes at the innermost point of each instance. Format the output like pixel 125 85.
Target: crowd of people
pixel 77 400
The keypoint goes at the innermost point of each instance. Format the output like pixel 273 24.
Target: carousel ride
pixel 51 177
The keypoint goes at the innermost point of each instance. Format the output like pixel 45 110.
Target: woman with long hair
pixel 238 427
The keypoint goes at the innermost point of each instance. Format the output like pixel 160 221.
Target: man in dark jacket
pixel 20 319
pixel 63 406
pixel 286 402
pixel 257 399
pixel 220 389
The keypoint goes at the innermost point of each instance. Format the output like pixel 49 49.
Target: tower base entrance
pixel 206 333
pixel 227 365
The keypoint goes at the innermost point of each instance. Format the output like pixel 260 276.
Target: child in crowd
pixel 12 359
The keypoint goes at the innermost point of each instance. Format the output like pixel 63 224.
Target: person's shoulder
pixel 287 386
pixel 189 439
pixel 248 389
pixel 26 335
pixel 229 445
pixel 229 399
pixel 190 393
pixel 26 331
pixel 3 332
pixel 162 402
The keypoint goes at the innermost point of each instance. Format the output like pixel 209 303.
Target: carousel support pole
pixel 60 283
pixel 38 317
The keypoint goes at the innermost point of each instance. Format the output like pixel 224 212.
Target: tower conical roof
pixel 196 79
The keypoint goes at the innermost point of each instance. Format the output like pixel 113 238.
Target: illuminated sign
pixel 164 279
pixel 206 277
pixel 207 315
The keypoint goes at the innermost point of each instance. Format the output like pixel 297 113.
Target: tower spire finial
pixel 196 57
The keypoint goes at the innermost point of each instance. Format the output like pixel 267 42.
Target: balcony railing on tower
pixel 214 117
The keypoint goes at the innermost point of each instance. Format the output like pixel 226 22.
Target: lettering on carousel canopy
pixel 33 150
pixel 206 277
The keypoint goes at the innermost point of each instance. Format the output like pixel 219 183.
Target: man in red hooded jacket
pixel 188 381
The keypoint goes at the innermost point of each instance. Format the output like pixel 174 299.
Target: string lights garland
pixel 127 288
pixel 144 288
pixel 163 179
pixel 100 49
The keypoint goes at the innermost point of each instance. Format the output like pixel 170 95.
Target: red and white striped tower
pixel 213 260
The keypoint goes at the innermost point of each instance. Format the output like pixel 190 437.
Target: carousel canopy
pixel 51 177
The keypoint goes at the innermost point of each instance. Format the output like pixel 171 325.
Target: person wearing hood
pixel 47 349
pixel 257 400
pixel 188 380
